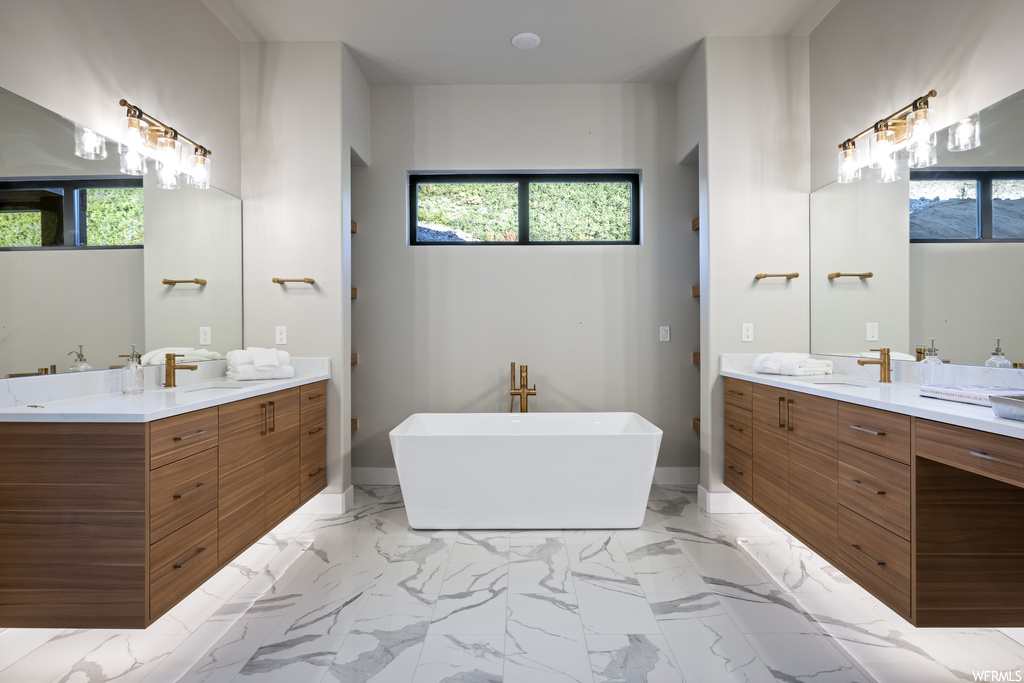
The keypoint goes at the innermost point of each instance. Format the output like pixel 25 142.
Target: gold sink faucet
pixel 170 366
pixel 883 365
pixel 522 392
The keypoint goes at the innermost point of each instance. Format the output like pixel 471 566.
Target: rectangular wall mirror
pixel 950 270
pixel 107 293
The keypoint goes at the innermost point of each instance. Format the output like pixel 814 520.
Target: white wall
pixel 180 64
pixel 870 57
pixel 436 328
pixel 297 99
pixel 753 176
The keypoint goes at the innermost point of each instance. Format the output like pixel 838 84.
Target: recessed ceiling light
pixel 525 41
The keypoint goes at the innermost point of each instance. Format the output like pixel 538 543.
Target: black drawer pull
pixel 857 482
pixel 869 431
pixel 198 486
pixel 993 458
pixel 734 427
pixel 735 470
pixel 314 396
pixel 190 436
pixel 857 548
pixel 318 429
pixel 182 564
pixel 318 471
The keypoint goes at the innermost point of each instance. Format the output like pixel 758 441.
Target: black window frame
pixel 523 179
pixel 75 224
pixel 983 178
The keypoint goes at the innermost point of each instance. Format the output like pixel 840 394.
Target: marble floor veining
pixel 362 597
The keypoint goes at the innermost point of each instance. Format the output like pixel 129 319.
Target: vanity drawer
pixel 313 459
pixel 739 472
pixel 874 430
pixel 990 455
pixel 174 438
pixel 313 400
pixel 877 559
pixel 875 487
pixel 739 430
pixel 739 393
pixel 181 492
pixel 181 562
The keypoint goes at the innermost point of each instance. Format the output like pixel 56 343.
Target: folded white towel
pixel 264 359
pixel 239 357
pixel 796 364
pixel 243 373
pixel 187 353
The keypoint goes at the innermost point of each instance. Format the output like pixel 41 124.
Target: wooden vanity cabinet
pixel 313 440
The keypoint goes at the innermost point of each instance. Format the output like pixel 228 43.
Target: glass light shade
pixel 919 129
pixel 199 171
pixel 134 134
pixel 168 163
pixel 89 144
pixel 883 143
pixel 965 134
pixel 889 169
pixel 922 156
pixel 849 169
pixel 132 162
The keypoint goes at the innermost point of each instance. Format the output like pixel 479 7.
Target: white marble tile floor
pixel 361 597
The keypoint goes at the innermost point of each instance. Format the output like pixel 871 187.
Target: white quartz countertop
pixel 894 397
pixel 155 403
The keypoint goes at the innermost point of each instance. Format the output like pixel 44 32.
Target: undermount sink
pixel 833 383
pixel 216 386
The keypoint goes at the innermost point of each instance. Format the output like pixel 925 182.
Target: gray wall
pixel 436 327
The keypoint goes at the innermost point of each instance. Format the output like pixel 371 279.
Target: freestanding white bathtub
pixel 525 470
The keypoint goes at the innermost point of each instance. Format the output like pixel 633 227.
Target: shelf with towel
pixel 862 276
pixel 282 280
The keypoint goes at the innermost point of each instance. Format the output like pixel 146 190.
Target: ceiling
pixel 458 42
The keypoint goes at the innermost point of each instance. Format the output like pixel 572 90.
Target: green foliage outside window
pixel 580 212
pixel 114 216
pixel 21 229
pixel 485 212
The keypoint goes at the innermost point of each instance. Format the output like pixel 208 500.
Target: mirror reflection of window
pixel 943 209
pixel 1008 208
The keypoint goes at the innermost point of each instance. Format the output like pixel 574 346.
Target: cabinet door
pixel 282 455
pixel 243 427
pixel 771 452
pixel 313 473
pixel 813 471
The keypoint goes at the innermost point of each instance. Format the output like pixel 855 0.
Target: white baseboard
pixel 676 476
pixel 331 503
pixel 721 501
pixel 663 476
pixel 374 476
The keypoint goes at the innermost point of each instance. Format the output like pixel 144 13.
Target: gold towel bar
pixel 862 276
pixel 788 276
pixel 281 280
pixel 193 281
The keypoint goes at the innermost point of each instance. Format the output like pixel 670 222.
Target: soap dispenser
pixel 998 360
pixel 930 364
pixel 79 365
pixel 132 377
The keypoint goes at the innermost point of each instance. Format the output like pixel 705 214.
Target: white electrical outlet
pixel 205 336
pixel 280 334
pixel 748 332
pixel 872 332
pixel 665 333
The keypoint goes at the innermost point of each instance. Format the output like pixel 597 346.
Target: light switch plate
pixel 748 332
pixel 205 336
pixel 665 333
pixel 872 332
pixel 280 334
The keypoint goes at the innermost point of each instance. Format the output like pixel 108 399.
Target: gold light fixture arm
pixel 862 276
pixel 895 119
pixel 788 276
pixel 193 281
pixel 163 128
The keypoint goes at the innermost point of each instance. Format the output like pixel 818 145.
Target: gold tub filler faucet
pixel 522 392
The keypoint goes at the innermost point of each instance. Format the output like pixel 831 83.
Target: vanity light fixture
pixel 965 134
pixel 89 144
pixel 143 136
pixel 909 127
